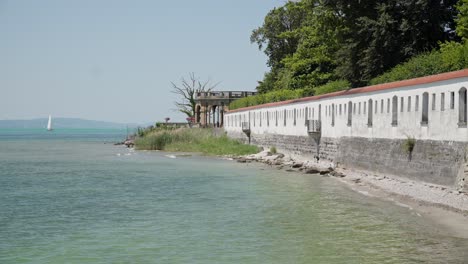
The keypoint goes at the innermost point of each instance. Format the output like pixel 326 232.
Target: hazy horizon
pixel 59 117
pixel 66 123
pixel 115 60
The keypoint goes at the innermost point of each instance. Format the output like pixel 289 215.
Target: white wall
pixel 442 124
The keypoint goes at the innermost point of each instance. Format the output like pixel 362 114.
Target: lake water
pixel 72 197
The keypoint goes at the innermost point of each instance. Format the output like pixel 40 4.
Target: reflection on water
pixel 81 202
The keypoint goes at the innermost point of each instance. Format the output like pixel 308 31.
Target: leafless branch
pixel 188 90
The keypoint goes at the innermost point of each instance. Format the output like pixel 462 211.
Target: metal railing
pixel 314 126
pixel 224 95
pixel 245 126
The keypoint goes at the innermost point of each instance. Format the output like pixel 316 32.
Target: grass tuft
pixel 193 140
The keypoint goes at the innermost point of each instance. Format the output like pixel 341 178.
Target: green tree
pixel 462 19
pixel 312 42
pixel 314 61
pixel 278 36
pixel 379 35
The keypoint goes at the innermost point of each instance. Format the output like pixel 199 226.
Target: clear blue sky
pixel 114 60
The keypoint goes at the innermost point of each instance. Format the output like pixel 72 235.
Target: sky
pixel 114 60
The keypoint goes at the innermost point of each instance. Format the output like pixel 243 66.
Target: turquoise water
pixel 72 197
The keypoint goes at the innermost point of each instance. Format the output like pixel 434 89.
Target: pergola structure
pixel 211 106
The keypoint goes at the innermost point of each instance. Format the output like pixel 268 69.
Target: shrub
pixel 451 56
pixel 270 97
pixel 154 141
pixel 409 144
pixel 193 140
pixel 283 95
pixel 273 150
pixel 331 87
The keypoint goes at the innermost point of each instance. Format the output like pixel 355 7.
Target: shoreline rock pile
pixel 129 143
pixel 280 161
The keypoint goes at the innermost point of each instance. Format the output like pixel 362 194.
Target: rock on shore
pixel 281 161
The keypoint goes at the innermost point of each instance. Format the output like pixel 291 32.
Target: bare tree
pixel 188 90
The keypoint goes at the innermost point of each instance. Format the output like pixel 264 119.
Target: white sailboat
pixel 49 124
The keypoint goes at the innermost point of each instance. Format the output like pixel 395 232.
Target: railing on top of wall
pixel 245 126
pixel 314 126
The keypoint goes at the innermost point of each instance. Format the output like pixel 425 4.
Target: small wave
pixel 171 156
pixel 365 193
pixel 403 205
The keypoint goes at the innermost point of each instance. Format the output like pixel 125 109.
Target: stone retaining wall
pixel 438 162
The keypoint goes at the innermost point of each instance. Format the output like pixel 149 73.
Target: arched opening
pixel 442 102
pixel 294 116
pixel 402 105
pixel 218 116
pixel 416 104
pixel 276 117
pixel 320 112
pixel 350 113
pixel 268 118
pixel 306 115
pixel 221 115
pixel 425 109
pixel 261 117
pixel 333 114
pixel 462 108
pixel 409 103
pixel 285 116
pixel 395 111
pixel 213 115
pixel 198 114
pixel 370 113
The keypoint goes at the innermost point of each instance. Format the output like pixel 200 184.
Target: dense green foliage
pixel 274 96
pixel 282 95
pixel 192 140
pixel 451 56
pixel 462 19
pixel 316 47
pixel 312 42
pixel 332 87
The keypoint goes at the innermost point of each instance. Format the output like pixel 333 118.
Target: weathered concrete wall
pixel 462 179
pixel 436 162
pixel 439 162
pixel 292 145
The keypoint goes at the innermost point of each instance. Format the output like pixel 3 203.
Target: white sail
pixel 49 124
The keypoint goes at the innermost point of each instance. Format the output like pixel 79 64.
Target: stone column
pixel 221 123
pixel 218 121
pixel 205 116
pixel 214 115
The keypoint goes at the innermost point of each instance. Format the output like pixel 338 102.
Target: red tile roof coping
pixel 367 89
